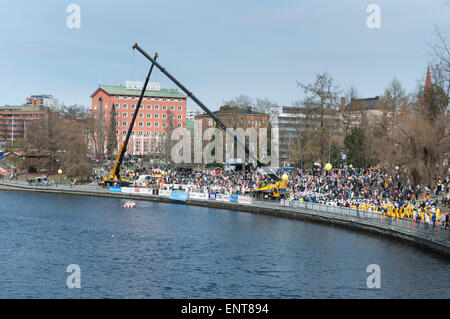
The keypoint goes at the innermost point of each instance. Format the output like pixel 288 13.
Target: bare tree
pixel 264 105
pixel 242 101
pixel 319 119
pixel 440 51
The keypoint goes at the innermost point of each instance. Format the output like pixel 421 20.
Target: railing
pixel 434 232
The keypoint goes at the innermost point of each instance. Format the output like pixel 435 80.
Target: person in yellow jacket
pixel 438 214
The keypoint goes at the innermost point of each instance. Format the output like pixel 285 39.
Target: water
pixel 174 251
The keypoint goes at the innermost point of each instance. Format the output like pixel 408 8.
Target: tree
pixel 112 134
pixel 435 102
pixel 242 101
pixel 440 51
pixel 394 98
pixel 264 105
pixel 73 112
pixel 64 136
pixel 356 148
pixel 417 141
pixel 73 149
pixel 319 121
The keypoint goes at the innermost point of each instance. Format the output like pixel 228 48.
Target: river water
pixel 159 250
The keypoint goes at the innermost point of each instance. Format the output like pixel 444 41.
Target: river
pixel 159 250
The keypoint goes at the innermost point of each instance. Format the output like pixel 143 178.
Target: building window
pixel 117 105
pixel 124 123
pixel 179 100
pixel 156 116
pixel 141 115
pixel 149 116
pixel 141 124
pixel 117 114
pixel 164 107
pixel 164 116
pixel 133 106
pixel 164 99
pixel 156 99
pixel 124 114
pixel 179 125
pixel 133 98
pixel 149 107
pixel 149 99
pixel 124 132
pixel 116 97
pixel 140 134
pixel 172 108
pixel 117 123
pixel 125 106
pixel 149 124
pixel 180 117
pixel 156 124
pixel 156 107
pixel 180 108
pixel 125 97
pixel 210 122
pixel 164 124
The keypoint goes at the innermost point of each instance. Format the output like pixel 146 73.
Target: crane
pixel 203 107
pixel 114 176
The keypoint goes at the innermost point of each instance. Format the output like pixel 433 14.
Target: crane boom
pixel 199 103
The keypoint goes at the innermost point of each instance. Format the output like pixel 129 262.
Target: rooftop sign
pixel 136 85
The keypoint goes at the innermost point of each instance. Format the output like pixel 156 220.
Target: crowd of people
pixel 366 189
pixel 369 189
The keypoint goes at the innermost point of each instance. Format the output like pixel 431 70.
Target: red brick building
pixel 161 111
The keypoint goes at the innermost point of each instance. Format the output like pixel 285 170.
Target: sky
pixel 217 49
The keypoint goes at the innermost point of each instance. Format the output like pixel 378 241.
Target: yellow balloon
pixel 284 177
pixel 60 171
pixel 328 166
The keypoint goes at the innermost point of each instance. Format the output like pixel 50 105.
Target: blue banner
pixel 179 195
pixel 212 196
pixel 233 198
pixel 115 189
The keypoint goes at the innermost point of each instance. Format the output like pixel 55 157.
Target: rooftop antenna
pixel 99 75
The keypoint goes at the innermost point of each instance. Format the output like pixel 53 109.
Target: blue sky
pixel 217 49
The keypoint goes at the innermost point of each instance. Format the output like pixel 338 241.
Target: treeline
pixel 64 134
pixel 407 133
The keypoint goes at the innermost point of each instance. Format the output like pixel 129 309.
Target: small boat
pixel 129 204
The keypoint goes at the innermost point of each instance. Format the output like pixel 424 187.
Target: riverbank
pixel 434 240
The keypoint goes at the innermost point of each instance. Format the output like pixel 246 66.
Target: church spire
pixel 428 80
